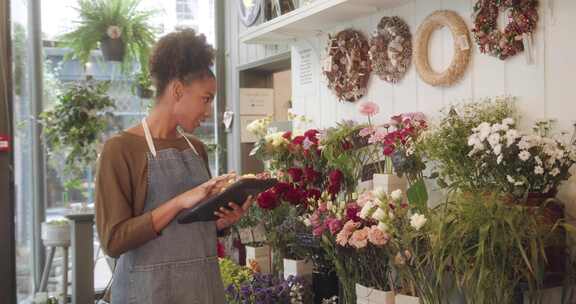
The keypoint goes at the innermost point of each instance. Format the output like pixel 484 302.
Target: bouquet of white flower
pixel 518 164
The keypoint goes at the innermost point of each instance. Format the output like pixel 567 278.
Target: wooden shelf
pixel 313 19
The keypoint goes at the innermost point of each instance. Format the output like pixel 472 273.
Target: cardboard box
pixel 257 102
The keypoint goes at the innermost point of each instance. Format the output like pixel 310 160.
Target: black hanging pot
pixel 112 49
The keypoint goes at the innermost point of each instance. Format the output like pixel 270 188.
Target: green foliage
pixel 96 16
pixel 233 274
pixel 252 218
pixel 490 247
pixel 74 125
pixel 447 144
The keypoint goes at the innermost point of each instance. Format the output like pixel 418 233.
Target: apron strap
pixel 148 136
pixel 150 142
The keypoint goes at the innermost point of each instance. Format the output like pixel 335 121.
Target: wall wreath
pixel 461 58
pixel 391 49
pixel 347 66
pixel 522 17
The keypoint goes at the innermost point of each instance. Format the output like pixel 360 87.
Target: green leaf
pixel 418 195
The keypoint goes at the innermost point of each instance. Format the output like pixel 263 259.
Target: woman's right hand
pixel 214 186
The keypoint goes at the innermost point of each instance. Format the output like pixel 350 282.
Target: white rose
pixel 396 195
pixel 511 136
pixel 307 222
pixel 494 139
pixel 496 127
pixel 510 179
pixel 555 172
pixel 379 192
pixel 417 221
pixel 538 170
pixel 484 130
pixel 524 155
pixel 379 214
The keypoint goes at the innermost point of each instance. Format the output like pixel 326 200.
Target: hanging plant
pixel 118 27
pixel 73 126
pixel 347 66
pixel 522 17
pixel 391 49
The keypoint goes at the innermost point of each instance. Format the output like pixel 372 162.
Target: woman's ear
pixel 177 90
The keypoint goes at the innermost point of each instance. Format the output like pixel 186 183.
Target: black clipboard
pixel 237 193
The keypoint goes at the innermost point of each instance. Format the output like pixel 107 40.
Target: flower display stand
pixel 261 256
pixel 366 295
pixel 388 182
pixel 297 268
pixel 404 299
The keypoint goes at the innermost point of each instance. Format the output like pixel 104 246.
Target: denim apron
pixel 180 266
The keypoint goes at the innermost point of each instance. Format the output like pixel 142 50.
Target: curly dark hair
pixel 183 55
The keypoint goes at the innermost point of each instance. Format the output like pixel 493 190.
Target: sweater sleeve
pixel 119 228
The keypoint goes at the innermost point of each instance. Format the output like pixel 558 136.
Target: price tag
pixel 4 143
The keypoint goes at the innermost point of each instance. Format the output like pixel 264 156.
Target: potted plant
pixel 143 85
pixel 119 27
pixel 296 259
pixel 73 126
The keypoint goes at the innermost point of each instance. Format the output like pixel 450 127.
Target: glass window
pixel 58 17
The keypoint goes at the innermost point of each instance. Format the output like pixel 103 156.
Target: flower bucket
pixel 404 299
pixel 56 234
pixel 112 49
pixel 388 182
pixel 259 256
pixel 366 295
pixel 297 268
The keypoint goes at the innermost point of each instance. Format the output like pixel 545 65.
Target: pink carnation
pixel 369 108
pixel 359 238
pixel 377 236
pixel 334 225
pixel 366 131
pixel 318 231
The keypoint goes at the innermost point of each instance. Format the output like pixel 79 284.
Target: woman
pixel 150 172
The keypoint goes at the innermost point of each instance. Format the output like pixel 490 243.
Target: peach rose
pixel 377 236
pixel 359 238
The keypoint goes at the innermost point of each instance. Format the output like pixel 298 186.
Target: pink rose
pixel 366 131
pixel 359 238
pixel 369 108
pixel 377 236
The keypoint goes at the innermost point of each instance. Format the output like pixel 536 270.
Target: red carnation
pixel 311 175
pixel 334 189
pixel 281 188
pixel 388 150
pixel 295 196
pixel 268 200
pixel 296 174
pixel 287 135
pixel 346 145
pixel 313 193
pixel 335 177
pixel 311 135
pixel 352 212
pixel 298 140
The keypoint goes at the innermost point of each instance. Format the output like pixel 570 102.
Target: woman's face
pixel 194 103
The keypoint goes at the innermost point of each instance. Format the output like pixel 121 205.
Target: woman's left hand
pixel 228 217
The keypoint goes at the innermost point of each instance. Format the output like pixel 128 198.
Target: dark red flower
pixel 334 189
pixel 313 193
pixel 312 135
pixel 298 140
pixel 346 145
pixel 287 135
pixel 268 200
pixel 296 174
pixel 311 175
pixel 335 177
pixel 281 188
pixel 220 249
pixel 295 196
pixel 388 150
pixel 352 211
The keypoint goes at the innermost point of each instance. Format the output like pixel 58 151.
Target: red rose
pixel 296 174
pixel 334 189
pixel 311 135
pixel 281 188
pixel 268 200
pixel 335 177
pixel 287 135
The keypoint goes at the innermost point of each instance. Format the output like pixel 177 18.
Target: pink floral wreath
pixel 523 19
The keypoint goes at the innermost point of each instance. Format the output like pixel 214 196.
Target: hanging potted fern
pixel 119 27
